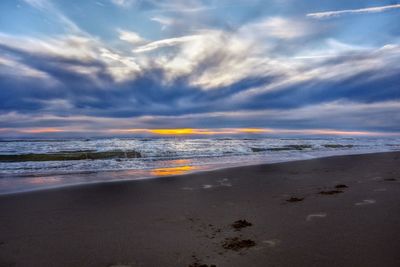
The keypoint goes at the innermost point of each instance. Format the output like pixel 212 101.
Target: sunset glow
pixel 172 170
pixel 211 132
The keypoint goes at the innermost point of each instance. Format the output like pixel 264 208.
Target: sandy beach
pixel 337 211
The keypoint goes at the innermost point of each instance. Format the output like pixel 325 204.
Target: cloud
pixel 164 21
pixel 274 72
pixel 279 27
pixel 337 13
pixel 131 37
pixel 123 3
pixel 337 117
pixel 165 43
pixel 11 67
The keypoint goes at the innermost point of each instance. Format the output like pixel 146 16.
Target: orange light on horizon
pixel 204 131
pixel 193 131
pixel 183 131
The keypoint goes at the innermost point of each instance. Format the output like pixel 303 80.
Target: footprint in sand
pixel 365 202
pixel 316 216
pixel 377 178
pixel 224 182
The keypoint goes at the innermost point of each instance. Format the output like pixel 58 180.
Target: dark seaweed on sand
pixel 201 265
pixel 330 192
pixel 295 199
pixel 239 224
pixel 197 263
pixel 237 244
pixel 341 186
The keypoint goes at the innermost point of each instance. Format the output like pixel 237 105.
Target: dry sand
pixel 338 211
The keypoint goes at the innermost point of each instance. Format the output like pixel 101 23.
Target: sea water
pixel 36 164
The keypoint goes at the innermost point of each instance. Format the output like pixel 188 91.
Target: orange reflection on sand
pixel 172 170
pixel 43 180
pixel 180 161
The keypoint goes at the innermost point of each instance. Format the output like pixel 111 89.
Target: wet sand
pixel 338 211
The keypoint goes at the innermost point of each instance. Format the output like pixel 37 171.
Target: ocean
pixel 35 164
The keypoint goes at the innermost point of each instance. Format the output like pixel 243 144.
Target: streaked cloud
pixel 165 43
pixel 232 67
pixel 337 13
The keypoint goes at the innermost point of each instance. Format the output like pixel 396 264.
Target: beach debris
pixel 295 199
pixel 339 186
pixel 197 263
pixel 272 242
pixel 330 192
pixel 310 217
pixel 207 186
pixel 239 224
pixel 390 179
pixel 236 244
pixel 201 265
pixel 366 202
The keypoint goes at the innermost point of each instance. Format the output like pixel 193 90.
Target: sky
pixel 203 67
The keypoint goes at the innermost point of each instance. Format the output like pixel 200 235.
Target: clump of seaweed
pixel 239 224
pixel 330 192
pixel 339 186
pixel 295 199
pixel 390 179
pixel 201 265
pixel 237 244
pixel 197 263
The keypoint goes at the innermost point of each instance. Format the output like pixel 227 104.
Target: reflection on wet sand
pixel 172 170
pixel 49 180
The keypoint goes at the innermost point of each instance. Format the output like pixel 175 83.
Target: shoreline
pixel 336 211
pixel 128 172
